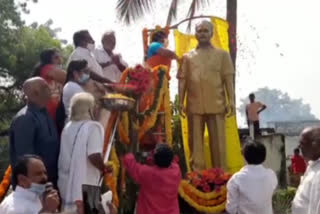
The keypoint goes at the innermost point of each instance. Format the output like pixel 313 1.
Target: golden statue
pixel 206 78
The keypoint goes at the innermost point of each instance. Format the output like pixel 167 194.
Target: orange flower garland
pixel 5 183
pixel 149 121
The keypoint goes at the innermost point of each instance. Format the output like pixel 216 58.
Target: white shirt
pixel 307 198
pixel 69 90
pixel 250 190
pixel 79 140
pixel 112 71
pixel 21 201
pixel 81 53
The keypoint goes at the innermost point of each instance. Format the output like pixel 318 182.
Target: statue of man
pixel 206 77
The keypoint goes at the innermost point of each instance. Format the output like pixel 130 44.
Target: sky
pixel 278 39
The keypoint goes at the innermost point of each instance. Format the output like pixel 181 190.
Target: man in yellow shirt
pixel 206 78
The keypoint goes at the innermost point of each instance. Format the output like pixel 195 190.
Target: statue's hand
pixel 231 110
pixel 182 110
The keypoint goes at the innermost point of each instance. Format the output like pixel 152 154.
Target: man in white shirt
pixel 250 190
pixel 31 195
pixel 307 199
pixel 80 159
pixel 112 64
pixel 84 47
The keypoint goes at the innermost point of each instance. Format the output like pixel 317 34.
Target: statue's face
pixel 203 33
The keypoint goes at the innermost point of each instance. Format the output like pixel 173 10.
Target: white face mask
pixel 91 46
pixel 84 79
pixel 38 189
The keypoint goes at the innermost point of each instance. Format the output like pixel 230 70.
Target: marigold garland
pixel 111 179
pixel 201 204
pixel 5 183
pixel 160 98
pixel 207 196
pixel 167 111
pixel 150 116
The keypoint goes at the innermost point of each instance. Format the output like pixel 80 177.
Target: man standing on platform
pixel 33 131
pixel 84 47
pixel 252 111
pixel 112 63
pixel 206 77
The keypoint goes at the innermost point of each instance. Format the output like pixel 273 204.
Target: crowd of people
pixel 56 140
pixel 56 144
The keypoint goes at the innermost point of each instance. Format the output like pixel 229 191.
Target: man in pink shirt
pixel 158 183
pixel 253 110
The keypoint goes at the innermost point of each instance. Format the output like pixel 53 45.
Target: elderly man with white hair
pixel 111 63
pixel 80 159
pixel 307 198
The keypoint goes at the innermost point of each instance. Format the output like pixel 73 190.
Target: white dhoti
pixel 78 140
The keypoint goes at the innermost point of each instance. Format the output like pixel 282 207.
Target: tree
pixel 23 56
pixel 20 46
pixel 280 107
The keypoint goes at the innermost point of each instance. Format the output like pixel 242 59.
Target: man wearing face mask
pixel 111 63
pixel 77 78
pixel 32 194
pixel 85 46
pixel 33 131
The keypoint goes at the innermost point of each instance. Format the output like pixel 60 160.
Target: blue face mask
pixel 84 78
pixel 38 189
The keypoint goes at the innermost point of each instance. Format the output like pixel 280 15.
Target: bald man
pixel 206 73
pixel 307 198
pixel 32 130
pixel 111 63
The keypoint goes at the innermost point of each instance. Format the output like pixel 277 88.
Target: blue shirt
pixel 154 48
pixel 33 132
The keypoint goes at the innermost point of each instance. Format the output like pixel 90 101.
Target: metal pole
pixel 106 157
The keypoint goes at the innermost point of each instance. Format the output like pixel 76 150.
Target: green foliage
pixel 20 46
pixel 282 200
pixel 280 107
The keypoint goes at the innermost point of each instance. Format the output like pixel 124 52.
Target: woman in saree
pixel 49 68
pixel 158 53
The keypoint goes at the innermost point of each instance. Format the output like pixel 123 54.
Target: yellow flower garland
pixel 214 209
pixel 212 202
pixel 208 209
pixel 111 180
pixel 167 110
pixel 203 195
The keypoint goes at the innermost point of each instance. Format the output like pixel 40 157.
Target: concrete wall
pixel 276 156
